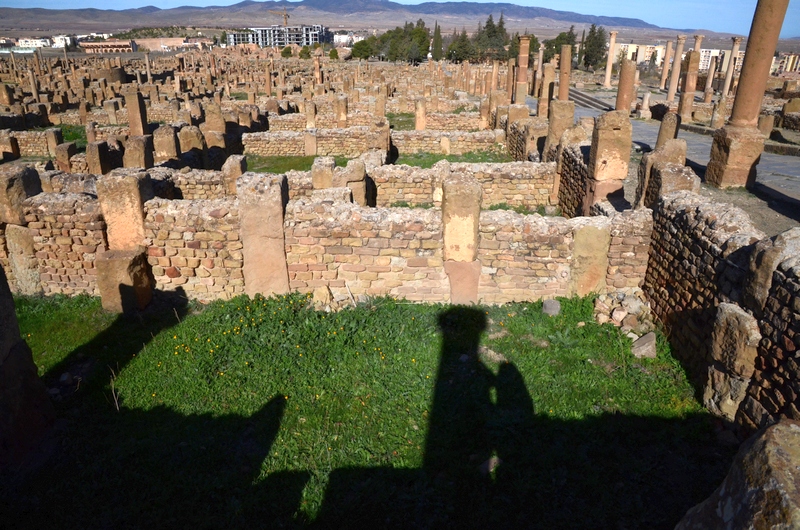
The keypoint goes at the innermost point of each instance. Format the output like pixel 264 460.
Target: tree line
pixel 491 41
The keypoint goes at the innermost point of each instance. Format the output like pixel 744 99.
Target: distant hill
pixel 250 13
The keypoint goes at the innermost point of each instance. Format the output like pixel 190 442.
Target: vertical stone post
pixel 686 101
pixel 698 41
pixel 510 79
pixel 566 71
pixel 165 144
pixel 262 199
pixel 461 209
pixel 737 41
pixel 233 168
pixel 670 124
pixel 561 118
pixel 708 90
pixel 612 41
pixel 548 88
pixel 537 89
pixel 147 65
pixel 522 61
pixel 311 115
pixel 137 114
pixel 420 117
pixel 17 183
pixel 609 157
pixel 341 111
pixel 675 75
pixel 138 152
pixel 665 65
pixel 627 74
pixel 97 158
pixel 495 73
pixel 737 148
pixel 124 278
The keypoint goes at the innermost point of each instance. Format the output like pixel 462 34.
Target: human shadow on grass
pixel 492 461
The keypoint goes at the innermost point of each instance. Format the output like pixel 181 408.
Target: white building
pixel 281 36
pixel 62 41
pixel 34 43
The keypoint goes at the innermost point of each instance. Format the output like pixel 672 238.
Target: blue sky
pixel 733 16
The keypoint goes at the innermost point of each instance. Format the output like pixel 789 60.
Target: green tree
pixel 286 52
pixel 438 50
pixel 594 48
pixel 461 48
pixel 305 53
pixel 334 55
pixel 553 46
pixel 362 50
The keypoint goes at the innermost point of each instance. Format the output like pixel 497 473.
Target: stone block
pixel 137 114
pixel 138 152
pixel 764 260
pixel 611 146
pixel 322 172
pixel 461 207
pixel 124 280
pixel 464 277
pixel 98 158
pixel 122 195
pixel 17 183
pixel 232 169
pixel 735 153
pixel 165 144
pixel 22 259
pixel 64 152
pixel 589 259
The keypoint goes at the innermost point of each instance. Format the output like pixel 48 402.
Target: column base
pixel 735 153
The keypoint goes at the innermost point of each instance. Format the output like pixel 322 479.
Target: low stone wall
pixel 465 121
pixel 199 184
pixel 284 143
pixel 104 134
pixel 629 249
pixel 370 251
pixel 31 143
pixel 455 142
pixel 195 246
pixel 68 231
pixel 350 142
pixel 287 122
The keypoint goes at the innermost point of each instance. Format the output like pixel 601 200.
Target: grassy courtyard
pixel 264 413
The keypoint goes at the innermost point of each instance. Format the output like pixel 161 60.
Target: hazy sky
pixel 732 16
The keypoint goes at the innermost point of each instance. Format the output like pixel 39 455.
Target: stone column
pixel 341 111
pixel 676 69
pixel 539 65
pixel 737 147
pixel 708 90
pixel 147 65
pixel 311 115
pixel 698 41
pixel 495 73
pixel 612 41
pixel 461 209
pixel 510 79
pixel 561 117
pixel 686 102
pixel 548 88
pixel 522 61
pixel 731 62
pixel 665 65
pixel 608 158
pixel 261 202
pixel 627 75
pixel 420 117
pixel 137 114
pixel 564 74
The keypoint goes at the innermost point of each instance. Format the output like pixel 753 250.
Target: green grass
pixel 282 164
pixel 427 160
pixel 75 133
pixel 401 121
pixel 263 413
pixel 523 210
pixel 239 96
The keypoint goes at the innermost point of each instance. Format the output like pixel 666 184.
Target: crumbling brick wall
pixel 370 251
pixel 68 232
pixel 573 180
pixel 195 246
pixel 283 143
pixel 31 143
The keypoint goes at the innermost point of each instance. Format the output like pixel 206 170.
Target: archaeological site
pixel 165 200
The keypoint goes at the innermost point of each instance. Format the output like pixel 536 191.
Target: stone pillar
pixel 665 65
pixel 566 71
pixel 341 111
pixel 147 65
pixel 122 195
pixel 612 41
pixel 522 62
pixel 98 159
pixel 561 117
pixel 718 116
pixel 165 144
pixel 686 102
pixel 261 206
pixel 609 157
pixel 420 118
pixel 537 90
pixel 676 69
pixel 731 65
pixel 26 413
pixel 737 147
pixel 548 88
pixel 510 79
pixel 670 124
pixel 627 74
pixel 138 152
pixel 708 90
pixel 63 154
pixel 354 177
pixel 322 172
pixel 495 74
pixel 17 183
pixel 311 115
pixel 644 112
pixel 233 168
pixel 461 209
pixel 137 114
pixel 698 41
pixel 124 279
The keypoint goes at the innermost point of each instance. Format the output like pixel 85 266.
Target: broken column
pixel 609 157
pixel 137 114
pixel 627 72
pixel 548 89
pixel 665 65
pixel 261 207
pixel 737 147
pixel 124 278
pixel 420 117
pixel 461 208
pixel 737 41
pixel 565 66
pixel 686 101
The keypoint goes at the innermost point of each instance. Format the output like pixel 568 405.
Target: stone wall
pixel 370 251
pixel 287 122
pixel 573 179
pixel 453 142
pixel 629 249
pixel 465 121
pixel 199 184
pixel 31 143
pixel 284 143
pixel 350 142
pixel 68 231
pixel 195 246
